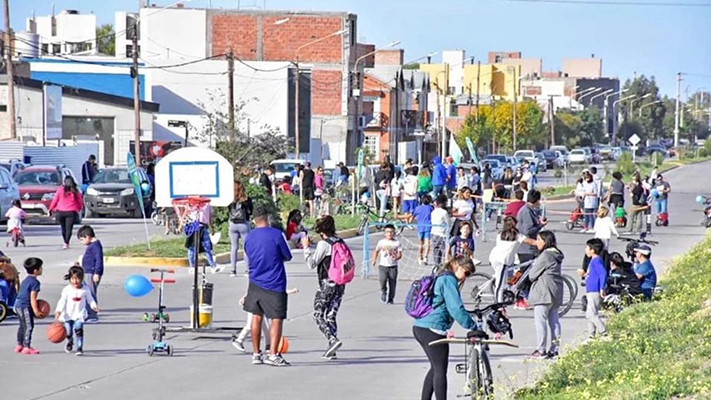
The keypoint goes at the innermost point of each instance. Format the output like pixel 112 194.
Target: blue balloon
pixel 655 193
pixel 145 187
pixel 700 199
pixel 137 285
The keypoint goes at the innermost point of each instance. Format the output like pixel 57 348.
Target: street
pixel 379 359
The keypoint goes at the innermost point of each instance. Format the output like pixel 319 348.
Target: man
pixel 265 180
pixel 391 169
pixel 598 182
pixel 439 176
pixel 267 250
pixel 308 184
pixel 451 177
pixel 88 170
pixel 529 224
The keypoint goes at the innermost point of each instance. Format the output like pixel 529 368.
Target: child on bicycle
pixel 423 216
pixel 15 217
pixel 503 255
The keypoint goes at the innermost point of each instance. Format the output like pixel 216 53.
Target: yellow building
pixel 439 75
pixel 498 79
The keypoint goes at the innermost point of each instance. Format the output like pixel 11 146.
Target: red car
pixel 38 184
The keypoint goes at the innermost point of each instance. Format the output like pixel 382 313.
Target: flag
pixel 454 151
pixel 472 150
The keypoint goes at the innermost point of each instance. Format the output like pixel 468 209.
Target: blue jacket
pixel 597 276
pixel 439 172
pixel 452 176
pixel 447 307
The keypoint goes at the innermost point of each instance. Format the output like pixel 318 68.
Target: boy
pixel 595 281
pixel 93 265
pixel 515 206
pixel 645 270
pixel 26 306
pixel 386 255
pixel 423 215
pixel 440 226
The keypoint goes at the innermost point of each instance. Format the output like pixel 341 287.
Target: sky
pixel 655 40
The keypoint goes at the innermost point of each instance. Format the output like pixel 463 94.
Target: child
pixel 9 284
pixel 93 265
pixel 620 217
pixel 409 192
pixel 238 342
pixel 15 215
pixel 604 227
pixel 440 226
pixel 72 308
pixel 201 220
pixel 644 269
pixel 396 191
pixel 26 306
pixel 285 186
pixel 595 281
pixel 463 244
pixel 386 255
pixel 503 255
pixel 294 231
pixel 423 215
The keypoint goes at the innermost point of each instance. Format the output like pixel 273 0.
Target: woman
pixel 424 183
pixel 435 325
pixel 639 204
pixel 508 183
pixel 616 194
pixel 320 184
pixel 240 213
pixel 462 211
pixel 396 191
pixel 546 295
pixel 66 205
pixel 590 199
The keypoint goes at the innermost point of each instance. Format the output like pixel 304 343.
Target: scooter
pixel 158 345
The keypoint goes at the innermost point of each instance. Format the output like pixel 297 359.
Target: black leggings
pixel 66 220
pixel 436 378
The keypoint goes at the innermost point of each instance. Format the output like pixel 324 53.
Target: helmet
pixel 699 199
pixel 499 323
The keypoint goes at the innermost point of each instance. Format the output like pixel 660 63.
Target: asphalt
pixel 379 358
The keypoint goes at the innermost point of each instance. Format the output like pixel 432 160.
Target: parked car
pixel 615 153
pixel 38 184
pixel 578 156
pixel 541 163
pixel 561 161
pixel 563 151
pixel 9 192
pixel 283 167
pixel 605 152
pixel 655 148
pixel 594 155
pixel 497 169
pixel 528 155
pixel 13 166
pixel 551 158
pixel 111 192
pixel 501 158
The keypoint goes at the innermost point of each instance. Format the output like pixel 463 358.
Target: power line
pixel 615 3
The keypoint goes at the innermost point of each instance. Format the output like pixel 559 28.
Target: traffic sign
pixel 634 139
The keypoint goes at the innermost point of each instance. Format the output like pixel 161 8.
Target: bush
pixel 259 198
pixel 625 164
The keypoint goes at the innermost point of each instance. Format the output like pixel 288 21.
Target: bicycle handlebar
pixel 491 307
pixel 473 340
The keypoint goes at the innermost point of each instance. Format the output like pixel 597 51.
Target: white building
pixel 66 33
pixel 560 90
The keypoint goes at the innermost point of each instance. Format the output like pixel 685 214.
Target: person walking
pixel 382 184
pixel 439 176
pixel 66 205
pixel 320 188
pixel 308 185
pixel 529 224
pixel 266 250
pixel 546 295
pixel 88 171
pixel 239 213
pixel 616 194
pixel 451 180
pixel 639 205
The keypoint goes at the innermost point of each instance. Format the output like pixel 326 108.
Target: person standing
pixel 93 265
pixel 529 224
pixel 26 306
pixel 265 180
pixel 451 177
pixel 616 194
pixel 591 192
pixel 88 171
pixel 546 295
pixel 239 213
pixel 639 205
pixel 424 183
pixel 439 176
pixel 382 184
pixel 266 250
pixel 308 185
pixel 66 205
pixel 595 281
pixel 320 187
pixel 663 188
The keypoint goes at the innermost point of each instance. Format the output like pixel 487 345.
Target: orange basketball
pixel 283 345
pixel 44 309
pixel 56 332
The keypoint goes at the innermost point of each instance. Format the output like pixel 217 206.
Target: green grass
pixel 162 248
pixel 659 349
pixel 343 221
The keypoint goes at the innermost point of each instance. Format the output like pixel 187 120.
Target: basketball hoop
pixel 189 209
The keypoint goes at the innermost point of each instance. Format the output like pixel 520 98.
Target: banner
pixel 359 171
pixel 472 150
pixel 133 173
pixel 52 109
pixel 454 151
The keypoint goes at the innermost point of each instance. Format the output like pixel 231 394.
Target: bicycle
pixel 481 288
pixel 477 367
pixel 16 237
pixel 368 215
pixel 633 242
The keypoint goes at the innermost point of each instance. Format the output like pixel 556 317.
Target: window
pixel 56 49
pixel 45 48
pixel 371 143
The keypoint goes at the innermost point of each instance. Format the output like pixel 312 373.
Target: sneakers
pixel 238 344
pixel 383 298
pixel 390 302
pixel 421 261
pixel 552 355
pixel 68 347
pixel 217 269
pixel 476 261
pixel 80 352
pixel 92 320
pixel 18 348
pixel 191 271
pixel 257 359
pixel 65 246
pixel 538 355
pixel 333 346
pixel 233 273
pixel 522 304
pixel 276 361
pixel 29 351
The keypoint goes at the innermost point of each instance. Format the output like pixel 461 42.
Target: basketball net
pixel 189 209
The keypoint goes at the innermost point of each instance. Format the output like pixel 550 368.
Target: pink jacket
pixel 66 201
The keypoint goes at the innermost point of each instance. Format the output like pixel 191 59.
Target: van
pixel 284 166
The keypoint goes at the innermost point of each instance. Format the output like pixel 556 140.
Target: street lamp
pixel 641 98
pixel 619 114
pixel 647 105
pixel 604 112
pixel 580 98
pixel 600 94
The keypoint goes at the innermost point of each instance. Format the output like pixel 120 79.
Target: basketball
pixel 44 309
pixel 56 332
pixel 283 345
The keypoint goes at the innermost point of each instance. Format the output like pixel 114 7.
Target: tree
pixel 651 124
pixel 592 126
pixel 106 39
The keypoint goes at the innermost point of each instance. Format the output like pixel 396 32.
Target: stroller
pixel 575 220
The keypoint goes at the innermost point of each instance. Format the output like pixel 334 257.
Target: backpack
pixel 418 302
pixel 342 268
pixel 237 214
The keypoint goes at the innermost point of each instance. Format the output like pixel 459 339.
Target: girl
pixel 546 294
pixel 240 213
pixel 463 243
pixel 424 183
pixel 15 215
pixel 604 226
pixel 71 308
pixel 66 205
pixel 396 191
pixel 503 255
pixel 590 193
pixel 294 231
pixel 320 184
pixel 437 323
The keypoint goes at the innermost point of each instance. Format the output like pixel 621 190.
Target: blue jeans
pixel 437 190
pixel 206 247
pixel 75 327
pixel 237 232
pixel 661 205
pixel 589 218
pixel 383 197
pixel 93 288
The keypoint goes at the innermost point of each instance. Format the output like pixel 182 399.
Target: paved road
pixel 379 359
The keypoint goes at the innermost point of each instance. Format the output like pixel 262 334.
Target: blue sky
pixel 654 41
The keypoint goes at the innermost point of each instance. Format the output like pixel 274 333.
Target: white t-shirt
pixel 466 207
pixel 387 250
pixel 504 253
pixel 395 187
pixel 73 303
pixel 604 228
pixel 14 218
pixel 409 189
pixel 440 222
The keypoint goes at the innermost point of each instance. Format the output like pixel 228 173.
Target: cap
pixel 644 249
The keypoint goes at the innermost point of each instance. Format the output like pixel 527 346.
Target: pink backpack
pixel 342 268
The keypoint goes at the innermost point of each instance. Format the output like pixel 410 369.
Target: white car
pixel 578 156
pixel 563 151
pixel 283 167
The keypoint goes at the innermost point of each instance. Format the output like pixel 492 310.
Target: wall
pixel 177 34
pixel 582 67
pixel 70 28
pixel 528 66
pixel 501 55
pixel 470 78
pixel 438 75
pixel 389 57
pixel 455 59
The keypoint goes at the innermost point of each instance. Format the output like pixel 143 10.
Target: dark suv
pixel 111 192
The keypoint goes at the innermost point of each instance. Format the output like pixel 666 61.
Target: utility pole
pixel 515 81
pixel 677 112
pixel 296 111
pixel 231 93
pixel 444 111
pixel 493 123
pixel 10 76
pixel 478 77
pixel 551 119
pixel 136 93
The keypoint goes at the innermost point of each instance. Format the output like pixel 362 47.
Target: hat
pixel 644 249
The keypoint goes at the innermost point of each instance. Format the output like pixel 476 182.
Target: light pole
pixel 577 94
pixel 600 94
pixel 619 113
pixel 647 105
pixel 607 97
pixel 580 98
pixel 570 98
pixel 633 100
pixel 298 82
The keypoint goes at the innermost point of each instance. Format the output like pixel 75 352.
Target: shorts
pixel 408 206
pixel 424 234
pixel 265 302
pixel 308 193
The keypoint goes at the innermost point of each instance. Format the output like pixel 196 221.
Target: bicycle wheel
pixel 485 377
pixel 575 283
pixel 569 294
pixel 474 375
pixel 361 226
pixel 478 290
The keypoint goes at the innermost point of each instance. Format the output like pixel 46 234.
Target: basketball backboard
pixel 194 171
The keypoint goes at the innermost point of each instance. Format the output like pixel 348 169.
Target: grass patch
pixel 660 349
pixel 343 221
pixel 174 248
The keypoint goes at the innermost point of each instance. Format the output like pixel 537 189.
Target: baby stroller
pixel 575 220
pixel 620 217
pixel 662 219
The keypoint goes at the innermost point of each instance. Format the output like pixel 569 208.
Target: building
pixel 590 68
pixel 66 33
